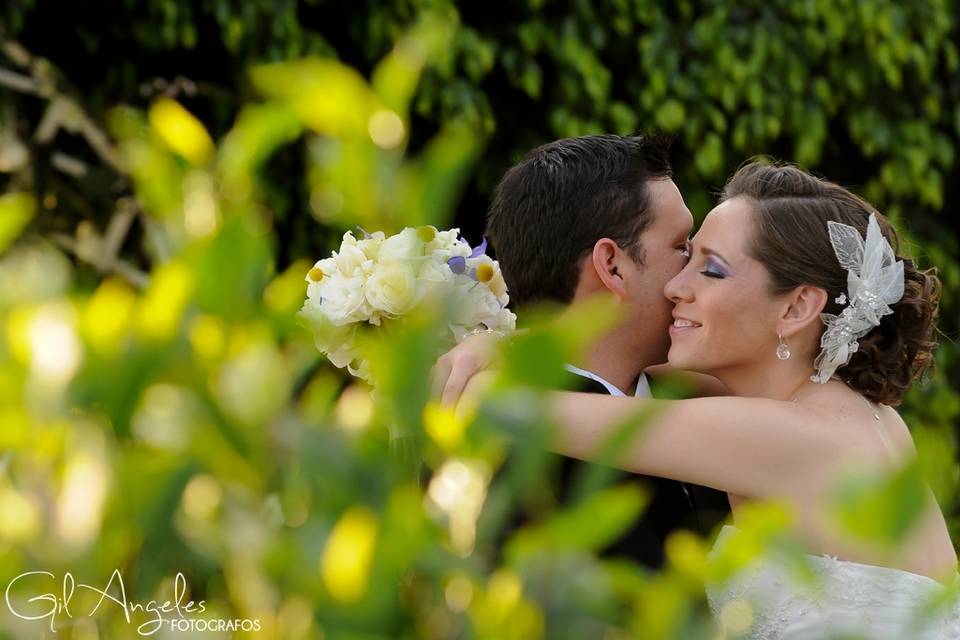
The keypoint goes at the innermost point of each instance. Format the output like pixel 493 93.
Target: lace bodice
pixel 847 600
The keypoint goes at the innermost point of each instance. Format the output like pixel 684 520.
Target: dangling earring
pixel 783 351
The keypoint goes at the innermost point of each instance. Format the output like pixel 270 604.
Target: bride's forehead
pixel 729 219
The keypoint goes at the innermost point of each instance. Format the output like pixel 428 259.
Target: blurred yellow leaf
pixel 687 553
pixel 395 77
pixel 17 331
pixel 162 306
pixel 16 210
pixel 181 131
pixel 503 613
pixel 19 517
pixel 444 424
pixel 345 564
pixel 107 314
pixel 355 409
pixel 386 129
pixel 328 96
pixel 504 591
pixel 44 337
pixel 82 496
pixel 207 336
pixel 285 294
pixel 17 429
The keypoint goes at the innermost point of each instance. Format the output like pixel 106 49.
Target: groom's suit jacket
pixel 673 505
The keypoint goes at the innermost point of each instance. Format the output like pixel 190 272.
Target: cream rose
pixel 402 247
pixel 474 304
pixel 391 288
pixel 506 321
pixel 445 240
pixel 321 269
pixel 371 245
pixel 434 282
pixel 351 257
pixel 342 299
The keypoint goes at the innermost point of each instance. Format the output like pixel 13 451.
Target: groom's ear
pixel 804 306
pixel 607 260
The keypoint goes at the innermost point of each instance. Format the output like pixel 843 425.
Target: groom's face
pixel 664 243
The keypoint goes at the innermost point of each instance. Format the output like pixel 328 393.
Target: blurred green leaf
pixel 589 525
pixel 16 210
pixel 881 508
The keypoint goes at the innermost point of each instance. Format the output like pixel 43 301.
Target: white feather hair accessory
pixel 874 282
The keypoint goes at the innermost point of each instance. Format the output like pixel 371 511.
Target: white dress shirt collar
pixel 643 385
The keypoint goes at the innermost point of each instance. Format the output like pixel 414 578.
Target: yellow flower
pixel 427 233
pixel 485 272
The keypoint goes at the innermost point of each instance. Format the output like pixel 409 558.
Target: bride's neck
pixel 778 381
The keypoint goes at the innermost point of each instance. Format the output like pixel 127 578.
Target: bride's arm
pixel 747 446
pixel 703 385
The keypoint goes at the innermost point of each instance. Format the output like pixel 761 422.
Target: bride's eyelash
pixel 712 271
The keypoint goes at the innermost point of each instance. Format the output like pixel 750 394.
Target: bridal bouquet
pixel 377 281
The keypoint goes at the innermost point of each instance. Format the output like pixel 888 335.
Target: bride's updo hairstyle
pixel 790 238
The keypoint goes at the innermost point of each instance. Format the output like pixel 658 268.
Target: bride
pixel 795 299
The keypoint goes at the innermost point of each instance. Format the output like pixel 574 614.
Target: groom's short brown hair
pixel 552 207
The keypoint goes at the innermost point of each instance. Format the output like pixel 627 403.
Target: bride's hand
pixel 473 393
pixel 455 368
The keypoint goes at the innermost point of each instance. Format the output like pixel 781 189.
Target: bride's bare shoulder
pixel 897 428
pixel 862 420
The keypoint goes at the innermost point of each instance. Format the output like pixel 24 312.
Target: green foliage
pixel 886 516
pixel 161 410
pixel 16 210
pixel 589 525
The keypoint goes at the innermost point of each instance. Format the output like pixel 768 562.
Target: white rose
pixel 327 266
pixel 342 299
pixel 391 288
pixel 328 338
pixel 456 249
pixel 506 321
pixel 434 282
pixel 474 304
pixel 321 269
pixel 348 240
pixel 402 247
pixel 444 240
pixel 351 257
pixel 372 244
pixel 343 354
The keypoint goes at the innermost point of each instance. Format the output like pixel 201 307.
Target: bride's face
pixel 725 317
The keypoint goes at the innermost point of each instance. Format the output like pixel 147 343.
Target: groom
pixel 601 215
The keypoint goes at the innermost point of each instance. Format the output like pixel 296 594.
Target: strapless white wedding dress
pixel 848 600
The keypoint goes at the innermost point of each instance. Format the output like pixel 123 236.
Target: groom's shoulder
pixel 570 381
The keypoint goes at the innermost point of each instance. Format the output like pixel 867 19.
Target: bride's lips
pixel 683 325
